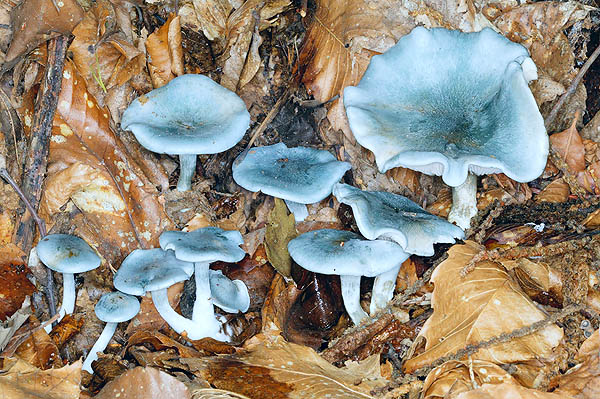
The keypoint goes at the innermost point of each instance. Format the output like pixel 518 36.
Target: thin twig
pixel 40 223
pixel 572 87
pixel 269 118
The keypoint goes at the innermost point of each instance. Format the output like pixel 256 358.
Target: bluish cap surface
pixel 299 174
pixel 66 253
pixel 448 103
pixel 208 244
pixel 231 296
pixel 383 214
pixel 192 114
pixel 117 307
pixel 344 253
pixel 146 270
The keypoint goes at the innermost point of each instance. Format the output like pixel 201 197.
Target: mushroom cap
pixel 230 295
pixel 145 270
pixel 192 114
pixel 344 253
pixel 448 103
pixel 117 307
pixel 208 244
pixel 66 253
pixel 383 214
pixel 299 174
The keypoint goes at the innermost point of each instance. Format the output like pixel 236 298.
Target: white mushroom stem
pixel 299 210
pixel 203 314
pixel 174 319
pixel 99 346
pixel 464 202
pixel 68 300
pixel 187 168
pixel 351 296
pixel 383 289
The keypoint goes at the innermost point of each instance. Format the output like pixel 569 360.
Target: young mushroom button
pixel 452 104
pixel 112 308
pixel 202 247
pixel 348 255
pixel 67 254
pixel 382 215
pixel 191 115
pixel 297 175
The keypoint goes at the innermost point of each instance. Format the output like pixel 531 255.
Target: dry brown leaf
pixel 557 191
pixel 39 350
pixel 14 285
pixel 103 54
pixel 477 307
pixel 508 390
pixel 271 366
pixel 35 21
pixel 19 380
pixel 454 377
pixel 590 178
pixel 208 15
pixel 9 326
pixel 148 318
pixel 280 230
pixel 122 209
pixel 443 203
pixel 407 178
pixel 583 380
pixel 144 383
pixel 165 54
pixel 487 198
pixel 593 220
pixel 569 145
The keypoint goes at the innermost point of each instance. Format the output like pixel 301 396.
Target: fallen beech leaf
pixel 271 367
pixel 144 383
pixel 592 220
pixel 557 191
pixel 12 324
pixel 66 329
pixel 590 179
pixel 487 198
pixel 539 281
pixel 454 377
pixel 35 21
pixel 443 203
pixel 477 307
pixel 583 380
pixel 208 15
pixel 507 390
pixel 39 350
pixel 407 178
pixel 121 207
pixel 281 228
pixel 569 145
pixel 14 286
pixel 160 342
pixel 165 54
pixel 19 380
pixel 6 226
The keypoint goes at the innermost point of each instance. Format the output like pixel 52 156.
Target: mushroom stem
pixel 299 210
pixel 99 346
pixel 187 168
pixel 351 296
pixel 68 299
pixel 464 202
pixel 174 319
pixel 383 288
pixel 203 314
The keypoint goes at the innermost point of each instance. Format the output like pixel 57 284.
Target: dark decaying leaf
pixel 281 228
pixel 14 286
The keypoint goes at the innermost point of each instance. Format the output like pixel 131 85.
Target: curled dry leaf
pixel 583 380
pixel 557 191
pixel 144 383
pixel 165 54
pixel 121 208
pixel 569 145
pixel 507 391
pixel 477 307
pixel 14 286
pixel 271 367
pixel 35 21
pixel 19 380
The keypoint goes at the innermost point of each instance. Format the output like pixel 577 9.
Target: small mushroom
pixel 453 104
pixel 112 308
pixel 383 215
pixel 202 247
pixel 67 254
pixel 297 175
pixel 190 115
pixel 155 270
pixel 350 256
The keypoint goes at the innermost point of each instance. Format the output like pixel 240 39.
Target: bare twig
pixel 269 118
pixel 572 88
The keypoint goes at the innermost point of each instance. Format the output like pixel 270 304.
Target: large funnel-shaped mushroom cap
pixel 65 253
pixel 344 253
pixel 192 114
pixel 117 307
pixel 449 103
pixel 205 245
pixel 145 270
pixel 299 174
pixel 382 214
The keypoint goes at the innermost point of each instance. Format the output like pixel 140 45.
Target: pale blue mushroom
pixel 452 104
pixel 191 115
pixel 348 255
pixel 298 175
